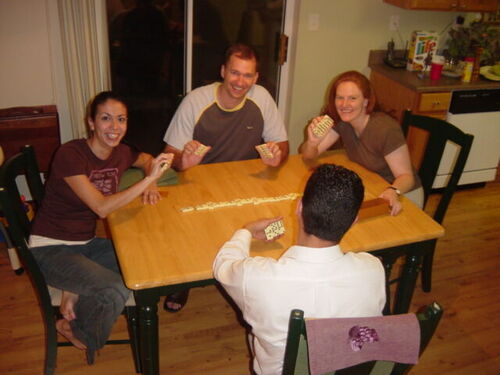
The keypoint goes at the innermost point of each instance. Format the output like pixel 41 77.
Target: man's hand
pixel 190 156
pixel 256 228
pixel 274 152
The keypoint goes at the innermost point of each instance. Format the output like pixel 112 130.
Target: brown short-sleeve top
pixel 382 135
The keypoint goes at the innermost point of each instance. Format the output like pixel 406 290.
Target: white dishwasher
pixel 476 112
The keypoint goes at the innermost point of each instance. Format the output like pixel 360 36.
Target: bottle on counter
pixel 475 69
pixel 468 67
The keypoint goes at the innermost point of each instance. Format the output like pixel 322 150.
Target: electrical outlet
pixel 394 22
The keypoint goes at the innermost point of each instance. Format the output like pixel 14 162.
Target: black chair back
pixel 19 230
pixel 440 132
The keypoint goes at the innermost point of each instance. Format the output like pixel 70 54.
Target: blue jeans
pixel 92 272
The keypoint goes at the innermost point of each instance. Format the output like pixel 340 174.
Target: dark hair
pixel 242 51
pixel 102 98
pixel 359 80
pixel 331 201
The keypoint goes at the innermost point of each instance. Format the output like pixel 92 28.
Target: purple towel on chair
pixel 338 343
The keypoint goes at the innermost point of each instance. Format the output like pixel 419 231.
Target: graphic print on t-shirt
pixel 105 180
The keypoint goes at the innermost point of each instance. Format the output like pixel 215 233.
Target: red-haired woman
pixel 370 137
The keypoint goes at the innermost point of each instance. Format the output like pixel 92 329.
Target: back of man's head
pixel 331 202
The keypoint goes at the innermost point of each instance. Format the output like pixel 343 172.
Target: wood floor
pixel 206 337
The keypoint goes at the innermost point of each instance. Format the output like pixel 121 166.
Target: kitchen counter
pixel 411 80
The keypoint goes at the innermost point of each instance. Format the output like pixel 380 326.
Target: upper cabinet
pixel 450 5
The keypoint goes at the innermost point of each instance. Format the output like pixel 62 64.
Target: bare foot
pixel 64 328
pixel 173 305
pixel 68 302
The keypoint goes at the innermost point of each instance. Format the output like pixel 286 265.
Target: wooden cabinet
pixel 394 98
pixel 448 5
pixel 36 126
pixel 433 104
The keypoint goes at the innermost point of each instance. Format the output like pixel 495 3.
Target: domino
pixel 323 126
pixel 264 151
pixel 275 229
pixel 201 150
pixel 165 166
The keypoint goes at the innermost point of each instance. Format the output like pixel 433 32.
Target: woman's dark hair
pixel 101 98
pixel 359 80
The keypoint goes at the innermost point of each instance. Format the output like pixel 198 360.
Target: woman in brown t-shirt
pixel 371 138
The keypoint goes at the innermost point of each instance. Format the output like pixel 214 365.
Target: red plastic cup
pixel 436 68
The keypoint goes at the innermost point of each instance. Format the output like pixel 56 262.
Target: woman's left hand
pixel 151 195
pixel 392 197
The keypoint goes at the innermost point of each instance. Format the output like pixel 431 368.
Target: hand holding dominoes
pixel 160 164
pixel 270 153
pixel 274 230
pixel 320 128
pixel 267 229
pixel 193 153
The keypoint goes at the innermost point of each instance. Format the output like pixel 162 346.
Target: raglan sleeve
pixel 181 127
pixel 274 127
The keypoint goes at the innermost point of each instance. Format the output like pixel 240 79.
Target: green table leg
pixel 406 286
pixel 147 305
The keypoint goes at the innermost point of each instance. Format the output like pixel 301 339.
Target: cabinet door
pixel 425 4
pixel 434 102
pixel 451 5
pixel 477 5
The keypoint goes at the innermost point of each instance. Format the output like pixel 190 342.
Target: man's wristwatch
pixel 398 192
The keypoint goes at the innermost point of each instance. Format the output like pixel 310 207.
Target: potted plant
pixel 479 39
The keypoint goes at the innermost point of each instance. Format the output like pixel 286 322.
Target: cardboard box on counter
pixel 423 46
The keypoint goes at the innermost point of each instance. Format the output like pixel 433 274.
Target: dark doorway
pixel 147 65
pixel 147 44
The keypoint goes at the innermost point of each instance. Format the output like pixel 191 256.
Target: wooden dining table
pixel 168 247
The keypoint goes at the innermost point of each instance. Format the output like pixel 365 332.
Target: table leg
pixel 406 286
pixel 147 306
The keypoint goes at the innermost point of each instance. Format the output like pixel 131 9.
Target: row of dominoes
pixel 239 202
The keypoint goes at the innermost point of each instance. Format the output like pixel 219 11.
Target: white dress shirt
pixel 323 282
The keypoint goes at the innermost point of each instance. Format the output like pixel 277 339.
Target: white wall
pixel 25 62
pixel 348 30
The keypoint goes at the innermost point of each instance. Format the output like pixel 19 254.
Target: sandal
pixel 179 298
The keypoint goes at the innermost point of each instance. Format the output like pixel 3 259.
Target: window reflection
pixel 147 53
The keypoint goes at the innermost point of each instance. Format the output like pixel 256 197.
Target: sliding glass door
pixel 162 49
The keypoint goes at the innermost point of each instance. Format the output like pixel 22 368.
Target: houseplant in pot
pixel 479 40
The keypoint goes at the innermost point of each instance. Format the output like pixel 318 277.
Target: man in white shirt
pixel 314 275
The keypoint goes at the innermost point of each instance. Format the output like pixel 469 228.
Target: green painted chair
pixel 440 132
pixel 304 347
pixel 18 229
